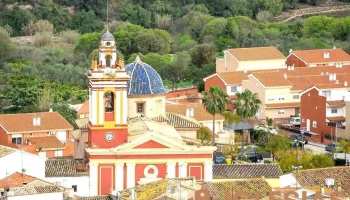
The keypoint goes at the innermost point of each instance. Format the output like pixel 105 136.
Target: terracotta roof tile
pixel 246 171
pixel 316 177
pixel 16 180
pixel 336 103
pixel 316 55
pixel 30 190
pixel 102 197
pixel 84 109
pixel 272 79
pixel 64 167
pixel 82 123
pixel 220 189
pixel 46 142
pixel 200 114
pixel 257 53
pixel 233 78
pixel 181 121
pixel 23 122
pixel 4 150
pixel 338 119
pixel 283 105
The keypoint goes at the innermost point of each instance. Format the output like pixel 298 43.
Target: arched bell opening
pixel 108 60
pixel 109 106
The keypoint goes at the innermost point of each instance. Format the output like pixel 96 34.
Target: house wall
pixel 273 182
pixel 231 64
pixel 347 117
pixel 313 107
pixel 228 89
pixel 253 85
pixel 33 164
pixel 338 94
pixel 214 81
pixel 51 196
pixel 261 65
pixel 183 92
pixel 278 92
pixel 189 134
pixel 151 107
pixel 274 112
pixel 340 112
pixel 220 65
pixel 219 125
pixel 82 183
pixel 292 59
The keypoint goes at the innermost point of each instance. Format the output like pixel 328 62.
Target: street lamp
pixel 296 168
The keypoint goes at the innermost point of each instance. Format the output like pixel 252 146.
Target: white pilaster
pixel 117 113
pixel 182 169
pixel 90 105
pixel 119 176
pixel 170 169
pixel 208 171
pixel 130 178
pixel 102 107
pixel 93 179
pixel 125 106
pixel 93 110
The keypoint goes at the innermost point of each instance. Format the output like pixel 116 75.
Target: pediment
pixel 151 144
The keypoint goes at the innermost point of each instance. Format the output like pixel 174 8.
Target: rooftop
pixel 102 197
pixel 317 55
pixel 182 121
pixel 234 78
pixel 65 167
pixel 5 151
pixel 16 180
pixel 272 79
pixel 84 109
pixel 257 53
pixel 242 171
pixel 23 122
pixel 221 189
pixel 200 113
pixel 316 177
pixel 336 119
pixel 283 105
pixel 30 190
pixel 46 142
pixel 338 104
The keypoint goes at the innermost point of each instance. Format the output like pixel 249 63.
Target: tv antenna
pixel 107 18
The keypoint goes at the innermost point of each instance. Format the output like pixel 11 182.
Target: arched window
pixel 108 61
pixel 109 104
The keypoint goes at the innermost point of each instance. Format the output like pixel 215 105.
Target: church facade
pixel 125 146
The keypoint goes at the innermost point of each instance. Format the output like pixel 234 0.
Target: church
pixel 126 145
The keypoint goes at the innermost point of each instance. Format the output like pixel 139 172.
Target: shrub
pixel 28 29
pixel 42 39
pixel 69 37
pixel 43 26
pixel 264 17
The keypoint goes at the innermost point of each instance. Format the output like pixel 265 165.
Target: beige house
pixel 250 59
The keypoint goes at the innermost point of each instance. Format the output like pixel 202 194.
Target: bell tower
pixel 107 97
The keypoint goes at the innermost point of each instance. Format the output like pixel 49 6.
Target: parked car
pixel 299 138
pixel 219 158
pixel 333 147
pixel 253 156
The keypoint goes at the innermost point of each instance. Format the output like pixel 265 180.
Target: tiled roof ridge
pixel 325 168
pixel 253 47
pixel 34 113
pixel 185 118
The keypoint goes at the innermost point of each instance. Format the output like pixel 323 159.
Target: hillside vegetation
pixel 46 45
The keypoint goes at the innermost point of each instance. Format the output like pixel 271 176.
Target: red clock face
pixel 109 137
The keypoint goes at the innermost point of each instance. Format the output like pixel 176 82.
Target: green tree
pixel 69 114
pixel 215 28
pixel 7 47
pixel 345 147
pixel 203 54
pixel 153 40
pixel 204 135
pixel 277 144
pixel 136 15
pixel 87 43
pixel 214 101
pixel 246 106
pixel 230 118
pixel 16 18
pixel 125 37
pixel 318 26
pixel 176 70
pixel 86 22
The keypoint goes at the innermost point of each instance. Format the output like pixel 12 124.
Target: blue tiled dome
pixel 144 79
pixel 107 36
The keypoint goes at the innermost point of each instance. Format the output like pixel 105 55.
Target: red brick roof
pixel 257 53
pixel 272 79
pixel 338 119
pixel 84 109
pixel 283 105
pixel 16 180
pixel 316 55
pixel 23 122
pixel 200 114
pixel 233 78
pixel 46 142
pixel 336 103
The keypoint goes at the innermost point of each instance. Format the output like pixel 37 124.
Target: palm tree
pixel 215 103
pixel 246 106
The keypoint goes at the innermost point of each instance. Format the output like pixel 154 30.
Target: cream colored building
pixel 250 59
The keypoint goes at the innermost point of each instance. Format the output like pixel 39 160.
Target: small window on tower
pixel 109 101
pixel 140 108
pixel 108 61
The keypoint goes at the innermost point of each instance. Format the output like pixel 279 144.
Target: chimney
pixel 340 65
pixel 285 76
pixel 322 189
pixel 50 110
pixel 334 76
pixel 34 121
pixel 38 121
pixel 339 187
pixel 322 73
pixel 245 70
pixel 289 68
pixel 187 112
pixel 334 47
pixel 290 50
pixel 345 83
pixel 327 73
pixel 192 112
pixel 337 82
pixel 331 77
pixel 194 182
pixel 25 183
pixel 292 67
pixel 324 55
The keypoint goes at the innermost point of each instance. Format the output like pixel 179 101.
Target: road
pixel 320 148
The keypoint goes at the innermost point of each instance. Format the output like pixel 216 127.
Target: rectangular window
pixel 75 188
pixel 296 96
pixel 271 98
pixel 140 108
pixel 334 110
pixel 326 93
pixel 314 124
pixel 281 112
pixel 17 140
pixel 281 97
pixel 233 89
